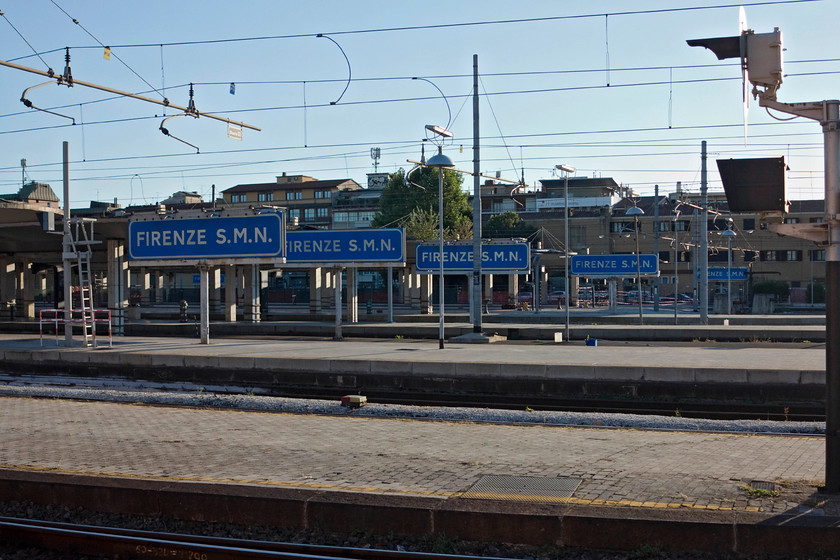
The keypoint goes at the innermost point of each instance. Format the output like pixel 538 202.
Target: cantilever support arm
pixel 28 103
pixel 164 102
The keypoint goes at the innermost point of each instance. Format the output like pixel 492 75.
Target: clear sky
pixel 618 95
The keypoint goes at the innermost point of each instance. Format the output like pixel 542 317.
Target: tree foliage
pixel 507 225
pixel 775 287
pixel 405 203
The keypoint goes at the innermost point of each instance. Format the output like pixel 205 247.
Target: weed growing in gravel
pixel 758 493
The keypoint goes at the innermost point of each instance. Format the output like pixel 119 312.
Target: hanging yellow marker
pixel 107 54
pixel 462 148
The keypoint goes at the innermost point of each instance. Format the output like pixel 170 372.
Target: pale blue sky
pixel 552 105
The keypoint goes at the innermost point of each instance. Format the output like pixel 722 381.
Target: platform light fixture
pixel 440 161
pixel 567 169
pixel 635 211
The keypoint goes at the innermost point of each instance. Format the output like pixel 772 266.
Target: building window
pixel 664 226
pixel 818 255
pixel 749 223
pixel 265 197
pixel 793 256
pixel 621 227
pixel 791 220
pixel 366 216
pixel 323 194
pixel 323 212
pixel 290 195
pixel 294 214
pixel 298 195
pixel 308 214
pixel 769 256
pixel 234 198
pixel 341 217
pixel 681 225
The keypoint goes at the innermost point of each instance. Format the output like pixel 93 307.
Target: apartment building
pixel 309 200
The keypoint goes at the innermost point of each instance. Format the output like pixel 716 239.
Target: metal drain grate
pixel 523 488
pixel 763 485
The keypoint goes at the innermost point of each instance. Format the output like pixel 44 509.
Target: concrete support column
pixel 574 284
pixel 253 281
pixel 7 282
pixel 327 288
pixel 145 285
pixel 27 284
pixel 231 286
pixel 488 289
pixel 426 294
pixel 160 287
pixel 406 287
pixel 352 295
pixel 542 277
pixel 513 288
pixel 117 282
pixel 315 283
pixel 214 289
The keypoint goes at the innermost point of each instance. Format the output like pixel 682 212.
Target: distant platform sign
pixel 496 258
pixel 719 273
pixel 240 237
pixel 346 246
pixel 613 265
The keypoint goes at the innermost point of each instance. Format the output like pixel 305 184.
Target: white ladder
pixel 81 242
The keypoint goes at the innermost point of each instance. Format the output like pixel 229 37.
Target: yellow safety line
pixel 370 489
pixel 312 485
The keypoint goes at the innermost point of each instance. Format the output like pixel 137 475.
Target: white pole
pixel 566 330
pixel 66 246
pixel 440 254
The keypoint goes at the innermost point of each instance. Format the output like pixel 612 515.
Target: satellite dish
pixel 745 79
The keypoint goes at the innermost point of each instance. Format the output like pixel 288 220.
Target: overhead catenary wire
pixel 466 96
pixel 102 45
pixel 427 27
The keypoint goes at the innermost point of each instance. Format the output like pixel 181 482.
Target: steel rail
pixel 130 543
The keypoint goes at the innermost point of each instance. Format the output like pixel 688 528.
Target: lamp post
pixel 440 161
pixel 635 211
pixel 566 169
pixel 676 271
pixel 729 234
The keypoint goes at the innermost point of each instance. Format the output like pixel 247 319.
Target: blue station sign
pixel 613 265
pixel 240 237
pixel 346 246
pixel 496 258
pixel 719 273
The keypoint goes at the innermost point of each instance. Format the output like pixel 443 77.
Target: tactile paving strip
pixel 523 488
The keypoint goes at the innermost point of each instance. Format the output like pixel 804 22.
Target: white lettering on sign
pixel 171 238
pixel 240 235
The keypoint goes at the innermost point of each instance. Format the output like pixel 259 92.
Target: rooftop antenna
pixel 23 172
pixel 375 154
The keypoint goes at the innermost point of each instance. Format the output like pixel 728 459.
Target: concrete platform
pixel 779 375
pixel 675 490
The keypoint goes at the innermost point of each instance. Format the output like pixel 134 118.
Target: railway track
pixel 112 542
pixel 802 412
pixel 716 410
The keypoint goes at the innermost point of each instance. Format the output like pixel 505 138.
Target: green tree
pixel 421 224
pixel 508 224
pixel 776 287
pixel 400 198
